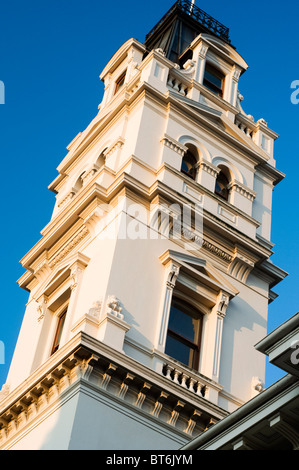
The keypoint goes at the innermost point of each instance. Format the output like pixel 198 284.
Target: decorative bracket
pixel 241 264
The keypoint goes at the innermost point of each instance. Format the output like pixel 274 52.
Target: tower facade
pixel 150 284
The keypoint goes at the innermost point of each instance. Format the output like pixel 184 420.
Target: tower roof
pixel 180 26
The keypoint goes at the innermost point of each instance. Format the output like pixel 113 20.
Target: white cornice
pixel 71 214
pixel 120 55
pixel 73 364
pixel 200 269
pixel 226 51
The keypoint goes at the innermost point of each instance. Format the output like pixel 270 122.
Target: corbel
pixel 108 375
pixel 84 368
pixel 242 264
pixel 142 394
pixel 222 304
pixel 3 429
pixel 280 423
pixel 244 444
pixel 176 412
pixel 159 403
pixel 210 423
pixel 192 422
pixel 125 385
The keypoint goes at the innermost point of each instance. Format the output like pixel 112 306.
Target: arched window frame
pixel 55 297
pixel 79 183
pixel 201 285
pixel 190 163
pixel 222 184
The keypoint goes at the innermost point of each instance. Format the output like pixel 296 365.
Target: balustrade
pixel 185 379
pixel 178 84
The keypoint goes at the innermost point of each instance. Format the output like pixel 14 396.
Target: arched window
pixel 184 333
pixel 79 183
pixel 101 159
pixel 189 164
pixel 221 186
pixel 213 80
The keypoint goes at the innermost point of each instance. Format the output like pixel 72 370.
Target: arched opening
pixel 222 183
pixel 189 163
pixel 184 333
pixel 101 159
pixel 79 183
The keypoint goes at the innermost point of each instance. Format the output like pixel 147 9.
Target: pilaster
pixel 76 274
pixel 172 272
pixel 212 338
pixel 207 174
pixel 200 49
pixel 241 196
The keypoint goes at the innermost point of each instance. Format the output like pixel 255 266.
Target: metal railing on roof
pixel 200 16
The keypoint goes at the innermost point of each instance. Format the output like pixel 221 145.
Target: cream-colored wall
pixel 130 269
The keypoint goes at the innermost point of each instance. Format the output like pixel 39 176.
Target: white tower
pixel 150 285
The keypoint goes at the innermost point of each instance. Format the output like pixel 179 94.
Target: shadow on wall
pixel 240 316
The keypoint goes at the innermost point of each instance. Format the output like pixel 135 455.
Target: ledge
pixel 85 358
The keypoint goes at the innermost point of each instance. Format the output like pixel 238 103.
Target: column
pixel 199 54
pixel 221 308
pixel 241 196
pixel 172 274
pixel 199 57
pixel 76 275
pixel 231 87
pixel 207 174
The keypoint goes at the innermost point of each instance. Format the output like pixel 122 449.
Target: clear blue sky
pixel 52 53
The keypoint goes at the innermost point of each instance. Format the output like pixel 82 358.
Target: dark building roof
pixel 180 26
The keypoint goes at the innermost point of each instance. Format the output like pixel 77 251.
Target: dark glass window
pixel 213 80
pixel 58 333
pixel 189 165
pixel 182 37
pixel 187 36
pixel 183 336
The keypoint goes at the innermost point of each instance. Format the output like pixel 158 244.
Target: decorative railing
pixel 185 379
pixel 177 83
pixel 243 126
pixel 199 15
